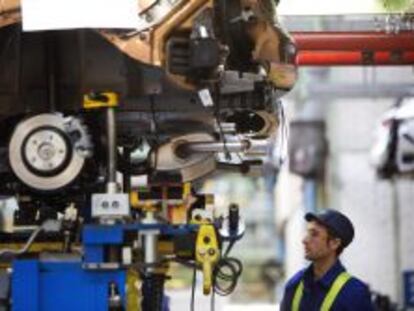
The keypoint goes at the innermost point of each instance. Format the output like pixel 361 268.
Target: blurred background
pixel 332 165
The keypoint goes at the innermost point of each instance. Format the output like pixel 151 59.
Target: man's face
pixel 317 242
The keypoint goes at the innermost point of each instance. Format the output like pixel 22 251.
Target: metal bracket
pixel 110 205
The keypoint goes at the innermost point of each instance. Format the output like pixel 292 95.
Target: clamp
pixel 207 254
pixel 95 100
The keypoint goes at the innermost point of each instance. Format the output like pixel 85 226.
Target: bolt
pixel 206 240
pixel 105 204
pixel 115 204
pixel 46 151
pixel 148 18
pixel 211 251
pixel 142 36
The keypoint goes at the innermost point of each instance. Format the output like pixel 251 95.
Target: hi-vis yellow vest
pixel 333 292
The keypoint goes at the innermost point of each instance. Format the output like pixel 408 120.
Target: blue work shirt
pixel 354 296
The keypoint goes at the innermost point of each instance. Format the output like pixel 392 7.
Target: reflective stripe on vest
pixel 336 287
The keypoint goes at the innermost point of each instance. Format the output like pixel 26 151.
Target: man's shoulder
pixel 356 295
pixel 357 283
pixel 356 286
pixel 295 279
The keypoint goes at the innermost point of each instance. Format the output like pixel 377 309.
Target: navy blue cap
pixel 339 224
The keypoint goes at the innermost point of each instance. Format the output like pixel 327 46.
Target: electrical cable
pixel 226 275
pixel 155 129
pixel 193 288
pixel 226 150
pixel 213 301
pixel 217 117
pixel 229 248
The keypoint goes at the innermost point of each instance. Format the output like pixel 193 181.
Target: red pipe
pixel 357 58
pixel 348 41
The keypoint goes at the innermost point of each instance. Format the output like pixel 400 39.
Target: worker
pixel 325 284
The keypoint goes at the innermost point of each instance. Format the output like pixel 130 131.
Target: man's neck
pixel 321 266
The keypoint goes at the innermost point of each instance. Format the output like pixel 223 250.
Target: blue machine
pixel 48 286
pixel 80 284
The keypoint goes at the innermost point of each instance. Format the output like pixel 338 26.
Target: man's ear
pixel 335 243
